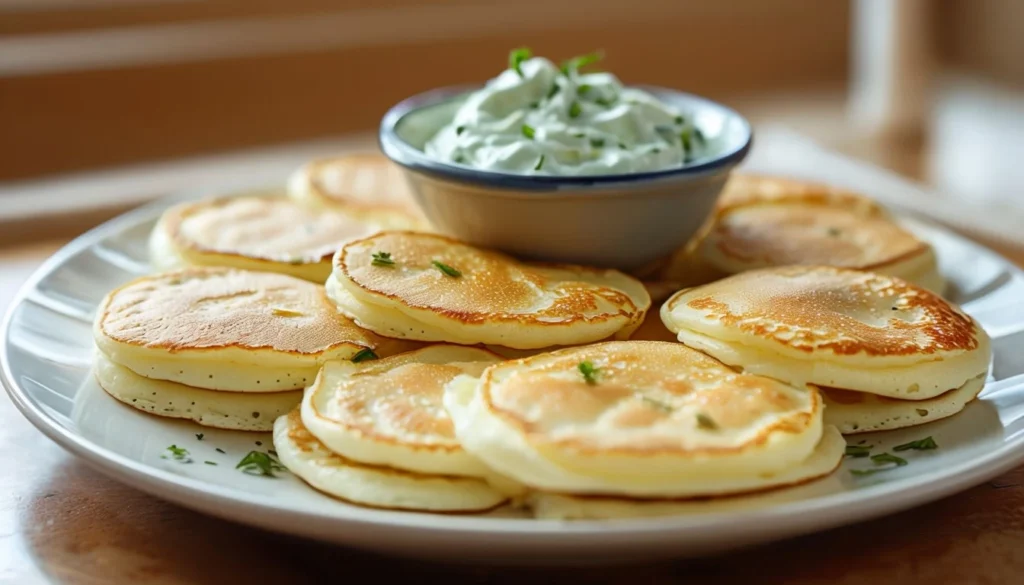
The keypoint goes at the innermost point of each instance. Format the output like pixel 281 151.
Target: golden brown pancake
pixel 273 234
pixel 763 222
pixel 439 289
pixel 638 418
pixel 368 186
pixel 224 329
pixel 833 327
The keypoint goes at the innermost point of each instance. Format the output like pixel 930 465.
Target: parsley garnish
pixel 534 105
pixel 459 159
pixel 540 163
pixel 199 436
pixel 684 136
pixel 459 130
pixel 597 142
pixel 858 451
pixel 577 63
pixel 924 444
pixel 365 354
pixel 706 422
pixel 606 102
pixel 679 120
pixel 528 131
pixel 667 133
pixel 259 463
pixel 575 109
pixel 219 450
pixel 210 462
pixel 656 404
pixel 589 372
pixel 382 259
pixel 516 58
pixel 178 454
pixel 554 89
pixel 622 146
pixel 448 270
pixel 584 88
pixel 881 459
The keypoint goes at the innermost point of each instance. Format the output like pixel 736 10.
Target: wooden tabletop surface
pixel 61 522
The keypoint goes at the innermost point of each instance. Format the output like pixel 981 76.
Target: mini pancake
pixel 492 299
pixel 389 412
pixel 763 222
pixel 652 420
pixel 825 459
pixel 365 186
pixel 375 486
pixel 273 234
pixel 859 412
pixel 224 329
pixel 833 327
pixel 224 410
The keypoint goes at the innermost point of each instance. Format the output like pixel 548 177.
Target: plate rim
pixel 786 519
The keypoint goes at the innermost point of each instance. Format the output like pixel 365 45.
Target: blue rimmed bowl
pixel 625 221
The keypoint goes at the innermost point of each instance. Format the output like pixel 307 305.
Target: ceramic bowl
pixel 623 221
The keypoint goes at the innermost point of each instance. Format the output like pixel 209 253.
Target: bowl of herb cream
pixel 556 162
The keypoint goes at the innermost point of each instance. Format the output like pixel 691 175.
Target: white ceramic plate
pixel 47 351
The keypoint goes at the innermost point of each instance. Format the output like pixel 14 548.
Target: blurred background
pixel 104 103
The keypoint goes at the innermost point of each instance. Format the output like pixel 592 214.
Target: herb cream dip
pixel 538 118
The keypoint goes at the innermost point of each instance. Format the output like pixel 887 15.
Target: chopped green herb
pixel 178 454
pixel 448 270
pixel 597 142
pixel 199 436
pixel 655 150
pixel 210 462
pixel 459 130
pixel 219 450
pixel 706 422
pixel 684 136
pixel 882 458
pixel 606 102
pixel 540 163
pixel 534 105
pixel 259 463
pixel 924 444
pixel 589 372
pixel 667 133
pixel 579 135
pixel 657 404
pixel 459 159
pixel 575 109
pixel 382 259
pixel 364 355
pixel 576 63
pixel 554 90
pixel 680 120
pixel 858 451
pixel 699 136
pixel 584 88
pixel 622 146
pixel 516 58
pixel 528 131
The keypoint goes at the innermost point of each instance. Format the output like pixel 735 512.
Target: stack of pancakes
pixel 407 370
pixel 224 348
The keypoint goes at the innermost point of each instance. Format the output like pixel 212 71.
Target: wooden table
pixel 61 522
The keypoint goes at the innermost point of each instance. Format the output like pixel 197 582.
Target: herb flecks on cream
pixel 541 118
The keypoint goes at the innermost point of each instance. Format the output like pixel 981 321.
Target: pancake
pixel 636 418
pixel 822 462
pixel 273 234
pixel 389 412
pixel 224 329
pixel 366 186
pixel 859 412
pixel 833 327
pixel 374 486
pixel 439 289
pixel 763 222
pixel 224 410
